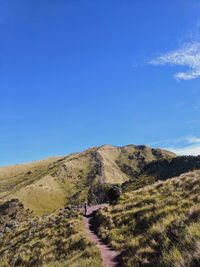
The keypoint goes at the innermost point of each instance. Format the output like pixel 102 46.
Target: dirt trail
pixel 108 255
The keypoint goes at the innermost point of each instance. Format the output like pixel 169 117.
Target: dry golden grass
pixel 158 225
pixel 45 186
pixel 54 240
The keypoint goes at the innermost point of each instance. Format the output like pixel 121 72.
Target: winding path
pixel 109 256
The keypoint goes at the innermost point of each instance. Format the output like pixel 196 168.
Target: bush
pixel 103 193
pixel 113 193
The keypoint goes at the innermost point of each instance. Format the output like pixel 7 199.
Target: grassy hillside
pixel 17 176
pixel 55 240
pixel 158 225
pixel 162 169
pixel 46 186
pixel 133 159
pixel 156 222
pixel 12 213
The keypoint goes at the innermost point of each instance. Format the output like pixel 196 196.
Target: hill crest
pixel 47 185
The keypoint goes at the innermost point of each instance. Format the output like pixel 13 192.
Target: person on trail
pixel 85 208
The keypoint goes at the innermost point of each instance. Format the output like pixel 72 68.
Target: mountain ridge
pixel 47 185
pixel 153 221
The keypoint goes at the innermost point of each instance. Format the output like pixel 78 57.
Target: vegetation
pixel 46 186
pixel 12 213
pixel 113 193
pixel 162 169
pixel 53 240
pixel 152 220
pixel 104 193
pixel 158 225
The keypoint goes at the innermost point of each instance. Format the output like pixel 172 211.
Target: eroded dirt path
pixel 109 256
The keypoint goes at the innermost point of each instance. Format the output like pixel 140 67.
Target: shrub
pixel 113 193
pixel 194 213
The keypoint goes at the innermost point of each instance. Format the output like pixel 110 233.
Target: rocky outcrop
pixel 12 213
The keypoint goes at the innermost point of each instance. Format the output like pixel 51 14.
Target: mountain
pixel 48 185
pixel 154 219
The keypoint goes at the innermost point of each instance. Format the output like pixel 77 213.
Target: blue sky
pixel 82 73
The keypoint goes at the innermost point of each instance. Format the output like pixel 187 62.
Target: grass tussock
pixel 54 240
pixel 158 225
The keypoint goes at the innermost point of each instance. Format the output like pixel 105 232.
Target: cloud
pixel 188 145
pixel 192 139
pixel 188 150
pixel 188 55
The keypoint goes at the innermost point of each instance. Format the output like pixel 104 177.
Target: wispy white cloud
pixel 192 139
pixel 188 55
pixel 188 145
pixel 187 150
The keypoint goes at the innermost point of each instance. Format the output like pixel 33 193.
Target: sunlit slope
pixel 17 176
pixel 158 225
pixel 51 185
pixel 47 185
pixel 54 240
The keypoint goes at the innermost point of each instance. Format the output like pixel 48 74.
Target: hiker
pixel 85 208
